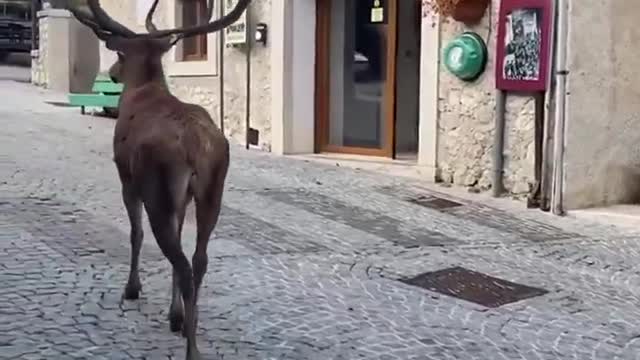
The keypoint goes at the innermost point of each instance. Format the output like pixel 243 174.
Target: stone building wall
pixel 204 90
pixel 39 76
pixel 467 120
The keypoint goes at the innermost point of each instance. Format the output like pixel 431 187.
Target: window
pixel 197 55
pixel 194 48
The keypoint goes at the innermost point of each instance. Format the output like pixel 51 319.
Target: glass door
pixel 355 75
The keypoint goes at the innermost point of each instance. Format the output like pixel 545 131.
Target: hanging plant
pixel 466 11
pixel 445 8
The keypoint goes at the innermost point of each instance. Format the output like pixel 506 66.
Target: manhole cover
pixel 475 287
pixel 434 202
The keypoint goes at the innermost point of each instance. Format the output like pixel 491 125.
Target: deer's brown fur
pixel 167 152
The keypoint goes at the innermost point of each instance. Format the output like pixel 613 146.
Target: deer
pixel 167 153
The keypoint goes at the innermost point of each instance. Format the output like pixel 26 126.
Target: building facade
pixel 342 76
pixel 368 77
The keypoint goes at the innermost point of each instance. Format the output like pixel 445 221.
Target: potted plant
pixel 466 11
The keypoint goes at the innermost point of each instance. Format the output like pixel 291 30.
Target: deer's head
pixel 140 55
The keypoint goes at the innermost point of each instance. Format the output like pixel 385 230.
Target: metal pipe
pixel 557 203
pixel 547 140
pixel 549 126
pixel 497 184
pixel 221 75
pixel 533 200
pixel 248 97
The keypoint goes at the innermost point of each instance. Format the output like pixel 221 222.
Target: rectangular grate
pixel 473 286
pixel 434 202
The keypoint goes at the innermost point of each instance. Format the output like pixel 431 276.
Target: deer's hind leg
pixel 164 192
pixel 133 203
pixel 176 309
pixel 208 204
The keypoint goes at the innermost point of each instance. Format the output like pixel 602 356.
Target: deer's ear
pixel 116 43
pixel 164 44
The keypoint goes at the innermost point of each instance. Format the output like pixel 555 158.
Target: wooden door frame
pixel 323 78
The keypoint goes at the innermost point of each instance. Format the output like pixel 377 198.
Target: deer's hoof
pixel 193 354
pixel 175 322
pixel 131 292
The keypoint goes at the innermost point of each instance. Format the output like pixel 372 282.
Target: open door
pixel 355 76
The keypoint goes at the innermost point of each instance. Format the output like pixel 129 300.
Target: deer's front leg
pixel 133 203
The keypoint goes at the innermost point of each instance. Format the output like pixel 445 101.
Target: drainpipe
pixel 535 195
pixel 546 183
pixel 557 207
pixel 547 163
pixel 221 75
pixel 498 144
pixel 248 98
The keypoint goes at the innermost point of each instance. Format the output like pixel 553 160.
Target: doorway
pixel 367 76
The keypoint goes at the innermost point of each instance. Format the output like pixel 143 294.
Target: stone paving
pixel 306 262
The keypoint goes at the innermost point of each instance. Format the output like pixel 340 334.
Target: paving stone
pixel 305 262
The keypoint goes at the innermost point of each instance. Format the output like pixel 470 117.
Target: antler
pixel 89 21
pixel 104 25
pixel 99 21
pixel 151 27
pixel 210 10
pixel 107 22
pixel 210 26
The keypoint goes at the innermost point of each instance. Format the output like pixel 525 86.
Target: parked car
pixel 15 27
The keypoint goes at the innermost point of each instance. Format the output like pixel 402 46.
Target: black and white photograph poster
pixel 523 38
pixel 522 45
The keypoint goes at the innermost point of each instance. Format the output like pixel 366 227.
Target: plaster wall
pixel 602 158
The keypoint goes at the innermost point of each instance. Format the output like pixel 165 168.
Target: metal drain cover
pixel 434 202
pixel 473 286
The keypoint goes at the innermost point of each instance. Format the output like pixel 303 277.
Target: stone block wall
pixel 205 90
pixel 467 120
pixel 39 76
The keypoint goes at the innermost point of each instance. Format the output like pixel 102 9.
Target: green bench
pixel 105 94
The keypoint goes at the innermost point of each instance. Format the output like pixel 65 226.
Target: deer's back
pixel 152 119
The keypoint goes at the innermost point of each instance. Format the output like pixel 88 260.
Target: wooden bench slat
pixel 107 87
pixel 99 100
pixel 104 93
pixel 102 77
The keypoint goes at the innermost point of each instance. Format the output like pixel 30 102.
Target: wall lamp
pixel 261 33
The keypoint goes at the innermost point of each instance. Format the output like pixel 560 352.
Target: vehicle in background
pixel 15 27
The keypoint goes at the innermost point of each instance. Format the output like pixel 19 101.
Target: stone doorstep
pixel 398 167
pixel 619 215
pixel 407 169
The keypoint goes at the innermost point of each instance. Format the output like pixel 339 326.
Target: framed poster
pixel 522 51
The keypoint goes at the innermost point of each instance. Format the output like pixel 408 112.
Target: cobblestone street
pixel 308 262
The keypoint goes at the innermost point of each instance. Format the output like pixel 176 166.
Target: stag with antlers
pixel 166 152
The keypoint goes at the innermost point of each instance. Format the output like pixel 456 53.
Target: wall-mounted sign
pixel 377 12
pixel 371 12
pixel 522 55
pixel 236 33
